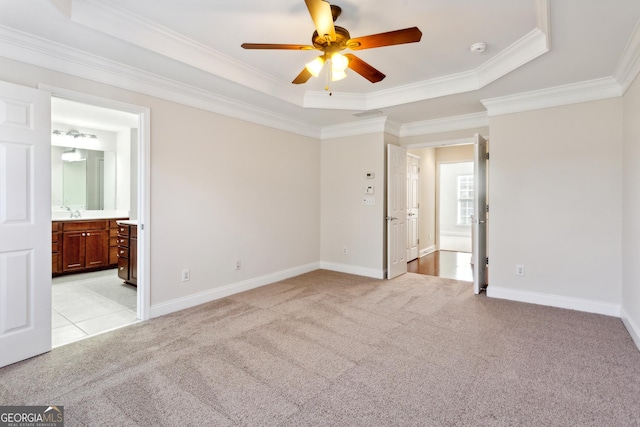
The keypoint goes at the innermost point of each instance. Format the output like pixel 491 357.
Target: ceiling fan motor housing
pixel 340 43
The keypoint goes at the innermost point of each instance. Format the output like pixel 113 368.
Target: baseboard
pixel 578 304
pixel 351 269
pixel 427 251
pixel 227 290
pixel 632 327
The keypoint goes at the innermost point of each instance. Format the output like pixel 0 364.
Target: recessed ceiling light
pixel 478 47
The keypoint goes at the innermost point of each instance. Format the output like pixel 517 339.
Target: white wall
pixel 221 189
pixel 346 222
pixel 631 212
pixel 555 196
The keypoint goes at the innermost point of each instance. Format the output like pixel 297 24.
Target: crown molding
pixel 56 57
pixel 592 90
pixel 447 124
pixel 629 65
pixel 444 143
pixel 362 127
pixel 393 128
pixel 131 28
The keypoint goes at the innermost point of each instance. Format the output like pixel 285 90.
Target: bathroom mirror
pixel 86 182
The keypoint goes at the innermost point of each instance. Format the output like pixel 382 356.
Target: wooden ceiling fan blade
pixel 322 17
pixel 276 46
pixel 407 35
pixel 364 69
pixel 303 77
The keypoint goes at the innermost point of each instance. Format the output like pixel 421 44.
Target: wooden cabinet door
pixel 133 261
pixel 73 254
pixel 96 248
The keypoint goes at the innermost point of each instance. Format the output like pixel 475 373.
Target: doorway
pixel 445 226
pixel 90 302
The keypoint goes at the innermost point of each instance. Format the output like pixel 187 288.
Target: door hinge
pixel 141 227
pixel 487 208
pixel 487 260
pixel 487 156
pixel 418 241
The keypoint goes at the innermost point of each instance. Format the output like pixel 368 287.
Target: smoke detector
pixel 478 47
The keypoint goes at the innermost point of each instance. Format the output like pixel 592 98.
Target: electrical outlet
pixel 238 264
pixel 186 275
pixel 345 250
pixel 519 270
pixel 369 201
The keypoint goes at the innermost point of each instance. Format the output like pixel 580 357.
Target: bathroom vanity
pixel 80 245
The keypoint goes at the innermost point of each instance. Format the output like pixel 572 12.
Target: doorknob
pixel 391 218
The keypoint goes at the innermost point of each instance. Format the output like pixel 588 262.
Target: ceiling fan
pixel 332 39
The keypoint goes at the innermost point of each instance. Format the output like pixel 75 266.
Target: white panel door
pixel 25 223
pixel 413 207
pixel 396 211
pixel 479 224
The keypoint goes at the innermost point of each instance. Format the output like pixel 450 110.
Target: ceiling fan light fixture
pixel 315 66
pixel 339 62
pixel 337 75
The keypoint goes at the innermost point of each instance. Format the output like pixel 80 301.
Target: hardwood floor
pixel 451 265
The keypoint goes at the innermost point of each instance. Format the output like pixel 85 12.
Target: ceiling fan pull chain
pixel 328 79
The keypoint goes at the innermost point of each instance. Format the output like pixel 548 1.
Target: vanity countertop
pixel 59 215
pixel 128 222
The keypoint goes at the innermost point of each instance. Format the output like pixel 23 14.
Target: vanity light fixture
pixel 72 156
pixel 74 133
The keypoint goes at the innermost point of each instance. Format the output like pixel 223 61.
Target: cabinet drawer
pixel 84 225
pixel 123 230
pixel 122 241
pixel 113 255
pixel 55 237
pixel 55 226
pixel 123 252
pixel 123 268
pixel 54 247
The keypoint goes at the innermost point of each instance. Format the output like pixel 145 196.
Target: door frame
pixel 144 183
pixel 448 143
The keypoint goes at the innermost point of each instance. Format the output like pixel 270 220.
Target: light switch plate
pixel 368 189
pixel 369 201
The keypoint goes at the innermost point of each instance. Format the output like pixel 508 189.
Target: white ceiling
pixel 531 45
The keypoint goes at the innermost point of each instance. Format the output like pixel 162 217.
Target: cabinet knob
pixel 121 268
pixel 88 234
pixel 83 234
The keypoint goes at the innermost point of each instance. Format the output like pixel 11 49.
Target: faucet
pixel 75 214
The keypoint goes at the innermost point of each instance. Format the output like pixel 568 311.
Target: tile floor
pixel 89 303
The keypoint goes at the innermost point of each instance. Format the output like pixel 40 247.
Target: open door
pixel 396 211
pixel 479 225
pixel 25 223
pixel 413 207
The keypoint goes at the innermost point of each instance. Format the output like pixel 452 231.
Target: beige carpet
pixel 330 349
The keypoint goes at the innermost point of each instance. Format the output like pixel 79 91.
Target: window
pixel 465 199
